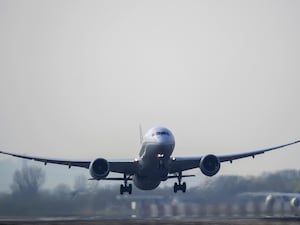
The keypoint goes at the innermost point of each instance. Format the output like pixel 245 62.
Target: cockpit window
pixel 160 133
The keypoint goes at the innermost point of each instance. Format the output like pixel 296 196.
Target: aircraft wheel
pixel 130 189
pixel 183 187
pixel 175 187
pixel 121 189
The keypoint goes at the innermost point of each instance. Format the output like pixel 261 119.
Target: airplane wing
pixel 180 164
pixel 121 166
pixel 69 163
pixel 252 154
pixel 177 164
pixel 265 194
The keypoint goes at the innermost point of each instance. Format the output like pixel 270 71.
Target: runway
pixel 207 221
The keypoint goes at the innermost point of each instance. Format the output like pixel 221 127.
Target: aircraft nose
pixel 165 140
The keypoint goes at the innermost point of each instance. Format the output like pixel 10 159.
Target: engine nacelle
pixel 295 202
pixel 99 168
pixel 210 165
pixel 270 201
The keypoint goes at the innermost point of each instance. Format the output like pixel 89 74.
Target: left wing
pixel 69 163
pixel 121 166
pixel 179 164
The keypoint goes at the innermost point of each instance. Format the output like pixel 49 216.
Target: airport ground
pixel 206 221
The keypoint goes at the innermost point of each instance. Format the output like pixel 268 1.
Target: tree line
pixel 29 198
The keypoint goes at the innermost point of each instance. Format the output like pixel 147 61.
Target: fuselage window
pixel 160 133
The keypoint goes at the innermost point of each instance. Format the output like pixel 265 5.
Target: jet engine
pixel 210 165
pixel 295 203
pixel 99 168
pixel 270 201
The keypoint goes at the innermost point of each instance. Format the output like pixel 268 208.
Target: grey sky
pixel 78 77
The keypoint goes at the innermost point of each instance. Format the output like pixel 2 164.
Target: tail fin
pixel 141 134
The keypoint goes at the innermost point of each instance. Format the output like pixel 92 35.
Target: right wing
pixel 230 158
pixel 179 164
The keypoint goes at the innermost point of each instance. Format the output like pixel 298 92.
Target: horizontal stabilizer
pixel 121 178
pixel 111 178
pixel 174 176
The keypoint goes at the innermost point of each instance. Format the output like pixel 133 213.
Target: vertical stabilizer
pixel 141 134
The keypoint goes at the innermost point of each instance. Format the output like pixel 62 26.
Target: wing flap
pixel 129 167
pixel 179 164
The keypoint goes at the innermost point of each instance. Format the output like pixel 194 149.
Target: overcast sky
pixel 78 77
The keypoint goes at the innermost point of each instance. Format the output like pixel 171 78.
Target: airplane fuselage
pixel 157 148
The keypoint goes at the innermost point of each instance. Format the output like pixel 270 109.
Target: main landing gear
pixel 126 187
pixel 179 186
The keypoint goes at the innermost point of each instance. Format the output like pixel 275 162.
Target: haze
pixel 78 77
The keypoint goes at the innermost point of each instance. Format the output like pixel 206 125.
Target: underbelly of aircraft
pixel 153 167
pixel 151 177
pixel 146 183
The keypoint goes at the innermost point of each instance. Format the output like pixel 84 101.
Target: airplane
pixel 271 197
pixel 154 164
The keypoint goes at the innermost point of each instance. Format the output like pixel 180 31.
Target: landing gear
pixel 178 186
pixel 126 187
